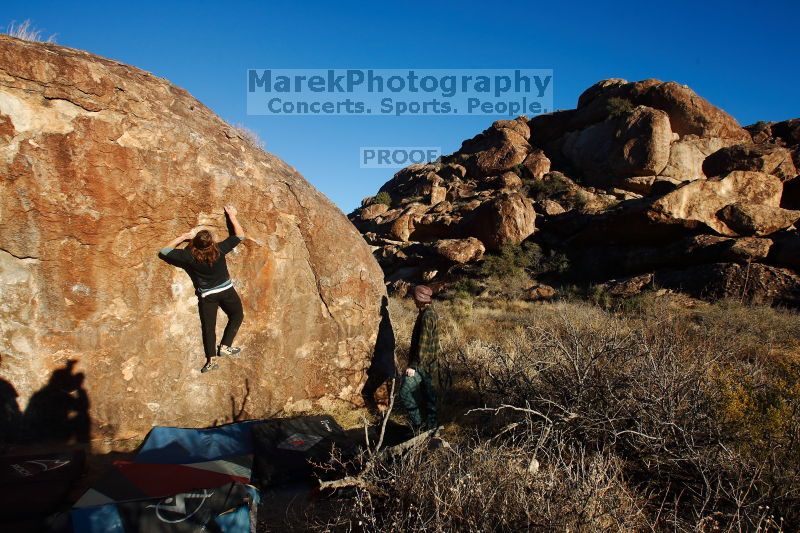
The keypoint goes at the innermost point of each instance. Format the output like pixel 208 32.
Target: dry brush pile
pixel 567 416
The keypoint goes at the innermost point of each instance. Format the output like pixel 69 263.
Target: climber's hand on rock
pixel 410 372
pixel 189 235
pixel 232 212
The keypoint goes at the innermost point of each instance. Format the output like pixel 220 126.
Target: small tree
pixel 382 197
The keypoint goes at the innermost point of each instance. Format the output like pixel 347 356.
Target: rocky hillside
pixel 103 164
pixel 644 184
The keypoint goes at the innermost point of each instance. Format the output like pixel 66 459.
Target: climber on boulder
pixel 204 261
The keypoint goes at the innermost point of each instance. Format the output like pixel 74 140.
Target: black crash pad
pixel 35 485
pixel 299 449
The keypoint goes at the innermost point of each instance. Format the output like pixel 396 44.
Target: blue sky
pixel 740 55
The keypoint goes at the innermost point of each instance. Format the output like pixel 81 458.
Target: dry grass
pixel 661 414
pixel 250 136
pixel 25 30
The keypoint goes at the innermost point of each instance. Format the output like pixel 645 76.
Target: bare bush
pixel 655 391
pixel 487 486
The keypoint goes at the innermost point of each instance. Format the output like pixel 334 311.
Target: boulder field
pixel 643 184
pixel 101 164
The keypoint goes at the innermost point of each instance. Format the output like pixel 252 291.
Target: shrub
pixel 556 263
pixel 551 185
pixel 465 288
pixel 512 260
pixel 581 200
pixel 382 197
pixel 618 107
pixel 598 295
pixel 526 258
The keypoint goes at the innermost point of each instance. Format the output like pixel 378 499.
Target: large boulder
pixel 692 208
pixel 689 114
pixel 767 158
pixel 785 133
pixel 403 226
pixel 686 157
pixel 102 164
pixel 590 140
pixel 754 282
pixel 497 149
pixel 760 220
pixel 413 180
pixel 460 250
pixel 507 219
pixel 697 204
pixel 536 164
pixel 549 127
pixel 600 89
pixel 635 145
pixel 646 185
pixel 372 211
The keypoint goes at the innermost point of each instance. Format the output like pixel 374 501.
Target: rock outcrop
pixel 755 283
pixel 644 182
pixel 102 164
pixel 626 129
pixel 700 202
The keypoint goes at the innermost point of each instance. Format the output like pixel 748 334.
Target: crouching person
pixel 422 363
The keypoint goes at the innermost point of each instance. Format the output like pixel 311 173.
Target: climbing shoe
pixel 228 350
pixel 209 366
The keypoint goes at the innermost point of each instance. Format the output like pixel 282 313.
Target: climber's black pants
pixel 231 305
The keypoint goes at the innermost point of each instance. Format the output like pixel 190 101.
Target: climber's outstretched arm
pixel 189 235
pixel 237 228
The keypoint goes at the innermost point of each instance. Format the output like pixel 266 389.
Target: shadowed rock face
pixel 100 165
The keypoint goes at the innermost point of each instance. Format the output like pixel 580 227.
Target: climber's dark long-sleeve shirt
pixel 205 277
pixel 424 339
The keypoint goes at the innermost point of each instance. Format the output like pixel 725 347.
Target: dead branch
pixel 386 418
pixel 499 408
pixel 350 482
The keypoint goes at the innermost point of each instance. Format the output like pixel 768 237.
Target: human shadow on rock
pixel 59 411
pixel 382 366
pixel 10 415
